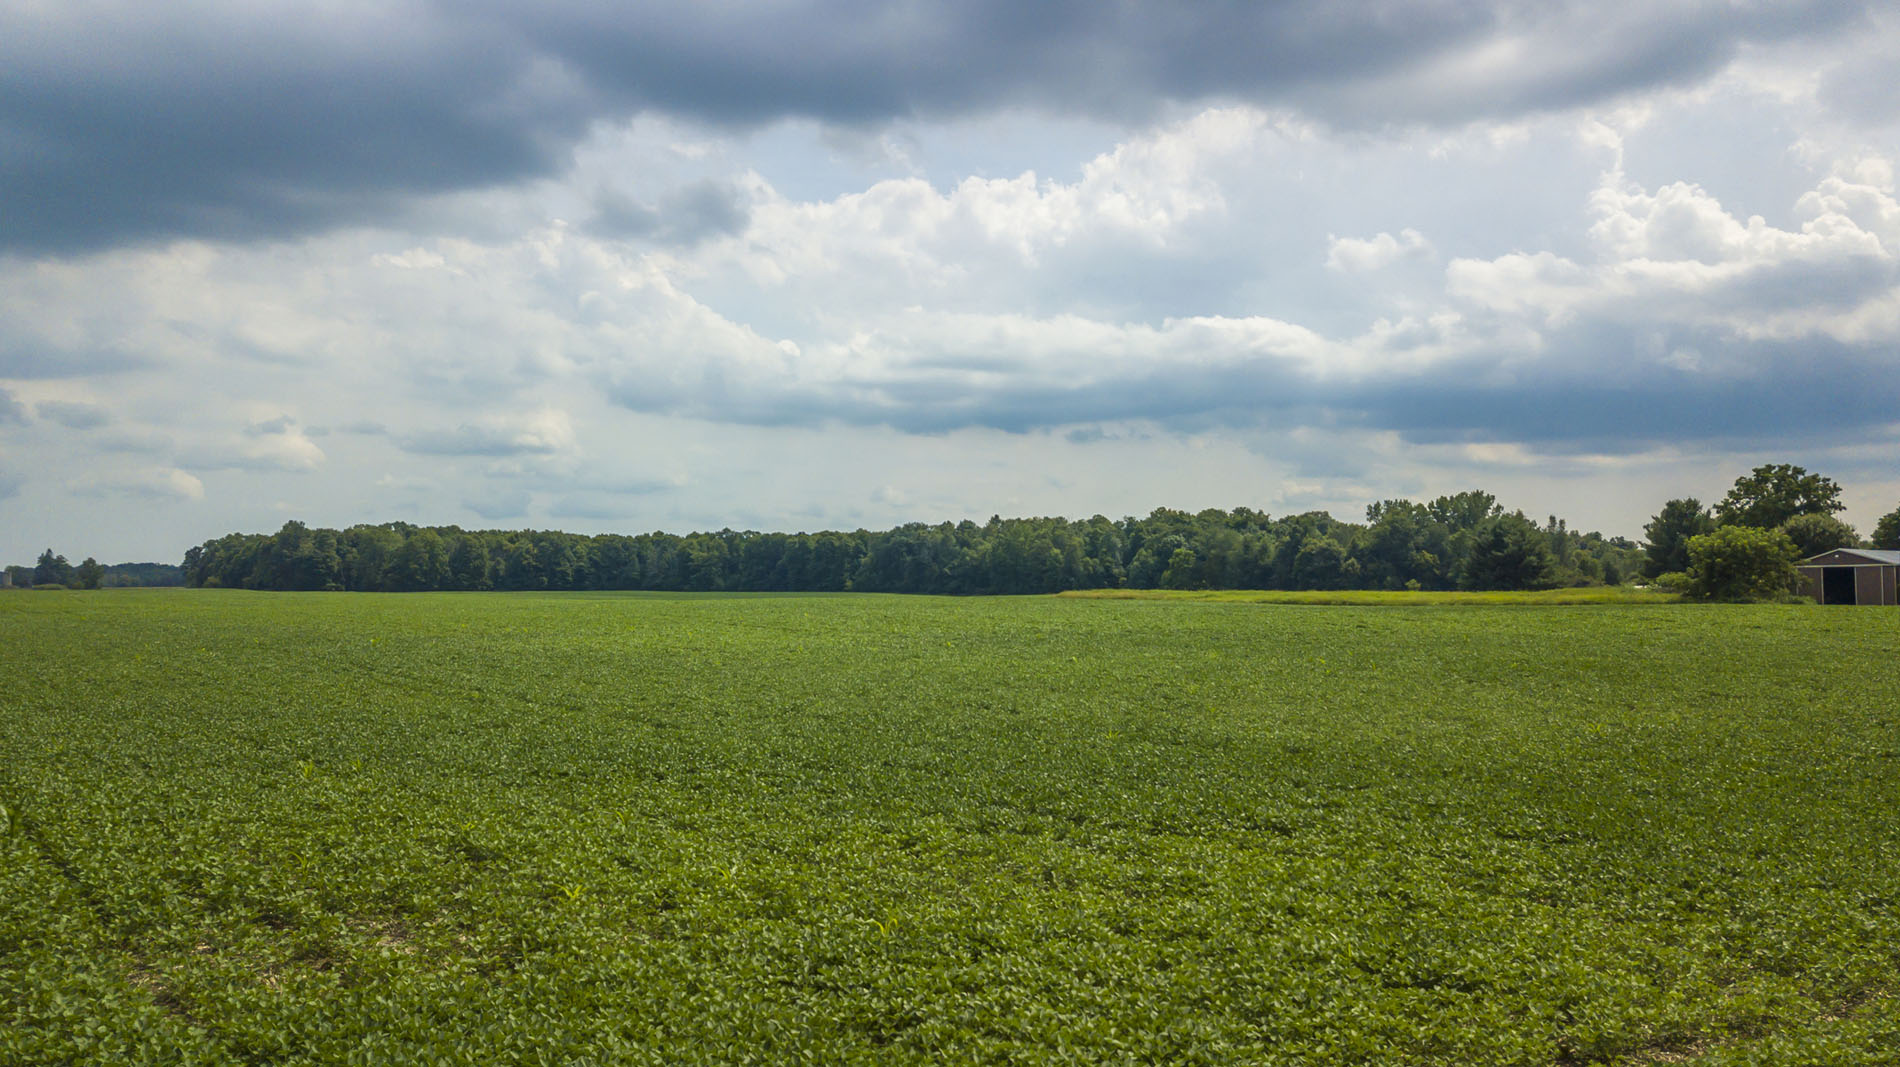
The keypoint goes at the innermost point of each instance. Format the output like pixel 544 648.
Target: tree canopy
pixel 1815 533
pixel 52 570
pixel 1462 541
pixel 1887 531
pixel 1773 493
pixel 1666 538
pixel 1509 552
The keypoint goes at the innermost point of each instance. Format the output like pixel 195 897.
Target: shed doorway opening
pixel 1837 585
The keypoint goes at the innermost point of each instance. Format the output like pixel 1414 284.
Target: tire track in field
pixel 1688 1049
pixel 89 908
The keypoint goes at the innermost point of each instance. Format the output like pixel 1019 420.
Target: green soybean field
pixel 253 828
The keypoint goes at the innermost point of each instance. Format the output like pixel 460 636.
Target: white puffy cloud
pixel 272 443
pixel 1356 254
pixel 547 431
pixel 905 238
pixel 156 483
pixel 1675 257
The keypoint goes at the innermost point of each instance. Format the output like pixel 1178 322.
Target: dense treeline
pixel 1465 541
pixel 142 574
pixel 54 571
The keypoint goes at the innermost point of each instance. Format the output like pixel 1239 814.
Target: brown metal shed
pixel 1852 576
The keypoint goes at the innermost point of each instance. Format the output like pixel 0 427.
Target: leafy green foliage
pixel 1396 597
pixel 1509 552
pixel 1666 538
pixel 1741 563
pixel 1887 531
pixel 117 574
pixel 52 570
pixel 882 830
pixel 1773 493
pixel 1404 542
pixel 1814 534
pixel 1673 581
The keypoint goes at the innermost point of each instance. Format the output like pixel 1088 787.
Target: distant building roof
pixel 1872 555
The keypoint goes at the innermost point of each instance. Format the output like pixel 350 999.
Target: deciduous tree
pixel 1814 534
pixel 1773 493
pixel 1666 538
pixel 1887 531
pixel 89 574
pixel 1741 563
pixel 1509 552
pixel 52 570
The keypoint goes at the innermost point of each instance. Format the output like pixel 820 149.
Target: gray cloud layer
pixel 122 123
pixel 1559 406
pixel 702 210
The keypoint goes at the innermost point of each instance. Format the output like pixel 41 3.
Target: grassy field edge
pixel 1389 598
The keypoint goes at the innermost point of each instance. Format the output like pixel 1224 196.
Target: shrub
pixel 1671 581
pixel 1741 563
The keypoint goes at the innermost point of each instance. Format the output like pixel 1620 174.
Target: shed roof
pixel 1884 556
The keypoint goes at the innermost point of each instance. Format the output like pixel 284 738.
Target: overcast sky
pixel 785 264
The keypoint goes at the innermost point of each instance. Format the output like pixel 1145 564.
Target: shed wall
pixel 1872 584
pixel 1810 583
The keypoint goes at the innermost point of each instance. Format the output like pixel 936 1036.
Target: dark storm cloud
pixel 185 120
pixel 122 123
pixel 1589 395
pixel 1808 389
pixel 1836 284
pixel 1229 394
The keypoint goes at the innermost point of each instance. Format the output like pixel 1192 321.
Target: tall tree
pixel 1814 534
pixel 1403 544
pixel 1887 531
pixel 1321 563
pixel 1464 511
pixel 1182 564
pixel 421 563
pixel 52 570
pixel 89 574
pixel 1509 552
pixel 1666 538
pixel 1773 493
pixel 521 565
pixel 468 562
